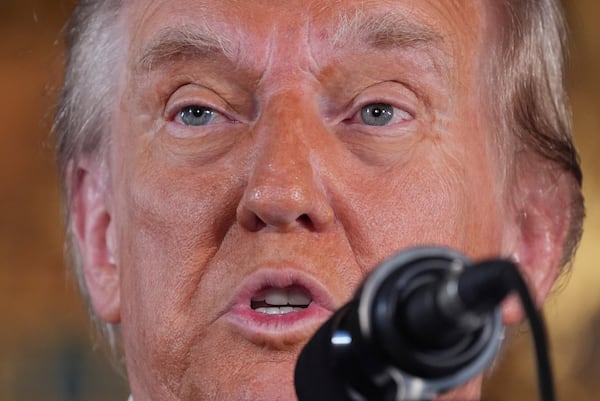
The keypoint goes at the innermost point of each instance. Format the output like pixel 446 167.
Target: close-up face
pixel 265 156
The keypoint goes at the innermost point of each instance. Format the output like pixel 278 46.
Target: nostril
pixel 256 219
pixel 306 221
pixel 250 220
pixel 258 224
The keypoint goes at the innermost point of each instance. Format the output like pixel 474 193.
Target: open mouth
pixel 279 307
pixel 280 301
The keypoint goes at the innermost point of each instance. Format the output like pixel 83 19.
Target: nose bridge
pixel 283 131
pixel 284 189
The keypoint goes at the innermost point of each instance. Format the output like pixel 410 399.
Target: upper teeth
pixel 280 301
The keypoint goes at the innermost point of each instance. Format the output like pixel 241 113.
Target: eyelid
pixel 172 111
pixel 194 95
pixel 394 93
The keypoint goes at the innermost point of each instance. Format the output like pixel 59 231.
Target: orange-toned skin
pixel 286 177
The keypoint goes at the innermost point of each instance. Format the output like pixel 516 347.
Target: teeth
pixel 277 301
pixel 275 310
pixel 299 298
pixel 277 296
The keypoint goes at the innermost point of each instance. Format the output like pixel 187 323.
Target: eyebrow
pixel 383 31
pixel 183 41
pixel 387 31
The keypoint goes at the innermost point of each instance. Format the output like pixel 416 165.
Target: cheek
pixel 170 223
pixel 437 203
pixel 168 217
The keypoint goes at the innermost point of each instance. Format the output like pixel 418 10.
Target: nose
pixel 285 190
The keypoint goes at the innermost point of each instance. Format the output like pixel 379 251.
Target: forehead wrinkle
pixel 170 43
pixel 290 53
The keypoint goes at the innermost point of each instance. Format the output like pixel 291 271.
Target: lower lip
pixel 288 328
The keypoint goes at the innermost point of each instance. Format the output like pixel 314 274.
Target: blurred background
pixel 47 348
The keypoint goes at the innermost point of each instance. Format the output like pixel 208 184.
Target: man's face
pixel 272 153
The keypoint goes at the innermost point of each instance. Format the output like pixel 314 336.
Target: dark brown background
pixel 46 344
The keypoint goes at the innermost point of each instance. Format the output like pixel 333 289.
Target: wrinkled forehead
pixel 234 26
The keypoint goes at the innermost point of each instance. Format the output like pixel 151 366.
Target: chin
pixel 273 385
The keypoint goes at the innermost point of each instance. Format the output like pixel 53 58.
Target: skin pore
pixel 258 147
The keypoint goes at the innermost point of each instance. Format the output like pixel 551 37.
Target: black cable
pixel 488 283
pixel 538 331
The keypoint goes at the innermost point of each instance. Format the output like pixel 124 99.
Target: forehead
pixel 239 25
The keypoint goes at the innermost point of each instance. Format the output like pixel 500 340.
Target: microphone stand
pixel 418 327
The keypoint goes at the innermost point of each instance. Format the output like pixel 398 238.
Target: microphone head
pixel 364 352
pixel 416 338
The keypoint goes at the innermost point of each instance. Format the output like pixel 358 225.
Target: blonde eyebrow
pixel 383 31
pixel 175 42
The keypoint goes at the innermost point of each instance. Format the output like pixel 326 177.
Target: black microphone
pixel 425 321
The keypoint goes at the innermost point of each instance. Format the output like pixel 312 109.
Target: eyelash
pixel 177 114
pixel 397 113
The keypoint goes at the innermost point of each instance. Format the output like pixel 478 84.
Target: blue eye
pixel 377 114
pixel 196 115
